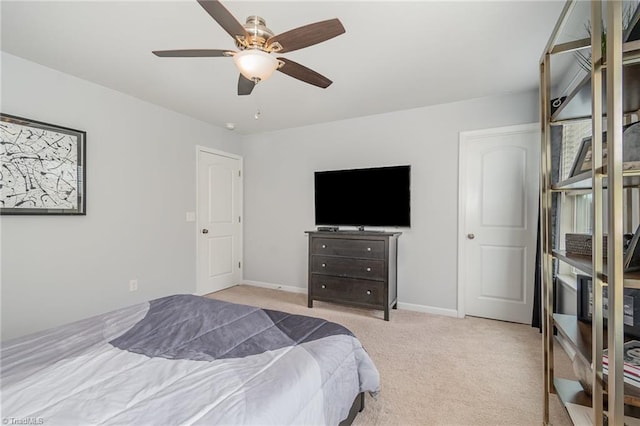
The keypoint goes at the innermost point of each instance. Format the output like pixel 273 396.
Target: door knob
pixel 205 231
pixel 470 236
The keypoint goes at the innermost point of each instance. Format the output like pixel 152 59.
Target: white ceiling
pixel 393 56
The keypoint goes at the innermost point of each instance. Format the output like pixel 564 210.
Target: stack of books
pixel 631 363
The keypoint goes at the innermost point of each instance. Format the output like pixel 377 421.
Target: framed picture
pixel 43 168
pixel 631 305
pixel 583 160
pixel 632 253
pixel 631 138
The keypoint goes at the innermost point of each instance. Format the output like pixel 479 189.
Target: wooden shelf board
pixel 571 46
pixel 584 264
pixel 580 262
pixel 570 391
pixel 576 333
pixel 583 181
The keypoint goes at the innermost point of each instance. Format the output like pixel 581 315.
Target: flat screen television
pixel 378 196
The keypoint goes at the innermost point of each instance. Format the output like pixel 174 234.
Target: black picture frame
pixel 43 168
pixel 631 305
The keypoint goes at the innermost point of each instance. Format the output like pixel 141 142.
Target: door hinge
pixel 239 219
pixel 239 265
pixel 239 173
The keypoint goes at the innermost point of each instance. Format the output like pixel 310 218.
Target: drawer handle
pixel 323 286
pixel 324 246
pixel 368 269
pixel 369 292
pixel 324 265
pixel 368 248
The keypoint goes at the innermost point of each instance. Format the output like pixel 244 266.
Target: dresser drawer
pixel 345 267
pixel 367 249
pixel 325 287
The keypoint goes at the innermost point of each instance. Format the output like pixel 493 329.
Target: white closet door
pixel 499 181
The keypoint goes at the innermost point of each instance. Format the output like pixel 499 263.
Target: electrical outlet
pixel 133 285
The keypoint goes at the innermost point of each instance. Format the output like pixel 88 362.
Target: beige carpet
pixel 436 370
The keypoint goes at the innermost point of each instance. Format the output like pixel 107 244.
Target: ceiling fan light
pixel 255 65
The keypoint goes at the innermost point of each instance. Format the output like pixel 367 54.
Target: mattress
pixel 186 359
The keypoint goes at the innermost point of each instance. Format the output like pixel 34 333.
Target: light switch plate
pixel 191 216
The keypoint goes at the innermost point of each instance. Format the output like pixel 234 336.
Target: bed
pixel 187 359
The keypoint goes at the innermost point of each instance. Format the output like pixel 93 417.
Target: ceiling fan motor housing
pixel 258 34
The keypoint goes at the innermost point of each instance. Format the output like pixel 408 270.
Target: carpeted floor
pixel 437 370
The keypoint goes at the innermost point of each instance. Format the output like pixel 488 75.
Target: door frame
pixel 465 138
pixel 213 151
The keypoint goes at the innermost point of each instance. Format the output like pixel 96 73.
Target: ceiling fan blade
pixel 295 70
pixel 192 53
pixel 245 86
pixel 307 35
pixel 224 18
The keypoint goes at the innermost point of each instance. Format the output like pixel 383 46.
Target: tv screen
pixel 357 197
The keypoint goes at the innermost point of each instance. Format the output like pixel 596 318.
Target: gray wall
pixel 140 183
pixel 278 189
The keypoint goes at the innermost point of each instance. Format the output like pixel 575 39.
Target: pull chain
pixel 256 98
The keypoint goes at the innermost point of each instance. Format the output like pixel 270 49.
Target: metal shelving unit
pixel 611 89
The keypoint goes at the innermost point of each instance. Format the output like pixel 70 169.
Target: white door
pixel 219 221
pixel 499 181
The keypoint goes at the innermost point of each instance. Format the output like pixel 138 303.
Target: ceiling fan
pixel 257 43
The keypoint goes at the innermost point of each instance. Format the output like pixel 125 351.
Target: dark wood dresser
pixel 355 268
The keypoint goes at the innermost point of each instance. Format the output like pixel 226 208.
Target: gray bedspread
pixel 187 360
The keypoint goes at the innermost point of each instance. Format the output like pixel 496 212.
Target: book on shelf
pixel 629 379
pixel 628 369
pixel 631 354
pixel 631 368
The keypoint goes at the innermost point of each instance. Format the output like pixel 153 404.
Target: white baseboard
pixel 263 284
pixel 428 309
pixel 401 305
